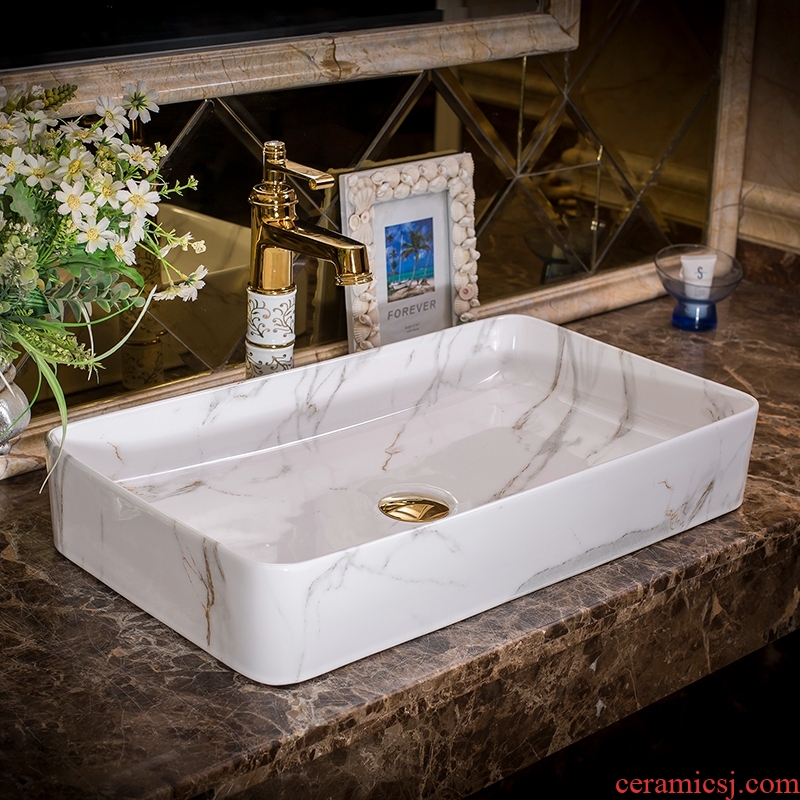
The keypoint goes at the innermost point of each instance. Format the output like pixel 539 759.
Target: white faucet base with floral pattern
pixel 269 343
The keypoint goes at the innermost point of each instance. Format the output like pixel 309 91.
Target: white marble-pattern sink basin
pixel 246 517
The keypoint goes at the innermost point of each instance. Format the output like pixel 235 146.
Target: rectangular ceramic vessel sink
pixel 247 517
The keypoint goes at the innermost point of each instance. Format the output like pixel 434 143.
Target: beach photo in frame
pixel 417 219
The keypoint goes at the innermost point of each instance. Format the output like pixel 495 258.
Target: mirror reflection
pixel 585 161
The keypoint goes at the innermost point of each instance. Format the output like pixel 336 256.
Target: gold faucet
pixel 276 236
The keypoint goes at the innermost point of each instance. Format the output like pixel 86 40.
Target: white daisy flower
pixel 75 132
pixel 78 163
pixel 124 249
pixel 108 191
pixel 113 115
pixel 8 132
pixel 196 278
pixel 135 226
pixel 109 143
pixel 94 234
pixel 75 201
pixel 186 290
pixel 39 171
pixel 139 102
pixel 137 157
pixel 32 123
pixel 170 293
pixel 139 199
pixel 10 163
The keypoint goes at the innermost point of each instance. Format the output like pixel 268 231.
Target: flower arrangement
pixel 78 200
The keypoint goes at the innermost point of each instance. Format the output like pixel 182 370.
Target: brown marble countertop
pixel 97 699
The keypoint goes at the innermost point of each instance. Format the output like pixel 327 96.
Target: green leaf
pixel 78 262
pixel 65 290
pixel 55 309
pixel 27 274
pixel 50 376
pixel 23 201
pixel 75 308
pixel 131 273
pixel 73 267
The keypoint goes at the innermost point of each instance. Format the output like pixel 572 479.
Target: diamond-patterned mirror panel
pixel 636 240
pixel 640 104
pixel 586 160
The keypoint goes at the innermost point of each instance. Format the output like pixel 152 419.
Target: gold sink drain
pixel 413 508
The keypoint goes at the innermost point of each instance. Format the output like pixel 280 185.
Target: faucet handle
pixel 275 161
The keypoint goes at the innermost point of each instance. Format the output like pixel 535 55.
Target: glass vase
pixel 15 413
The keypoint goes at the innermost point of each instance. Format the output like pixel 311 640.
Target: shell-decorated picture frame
pixel 417 219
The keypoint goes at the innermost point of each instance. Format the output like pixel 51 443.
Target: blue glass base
pixel 690 316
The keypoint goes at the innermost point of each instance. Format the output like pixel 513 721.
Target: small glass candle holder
pixel 698 277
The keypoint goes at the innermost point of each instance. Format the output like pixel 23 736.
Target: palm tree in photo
pixel 418 242
pixel 391 253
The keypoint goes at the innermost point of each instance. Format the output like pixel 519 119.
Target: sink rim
pixel 227 626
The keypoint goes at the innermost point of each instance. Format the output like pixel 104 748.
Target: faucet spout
pixel 276 237
pixel 348 256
